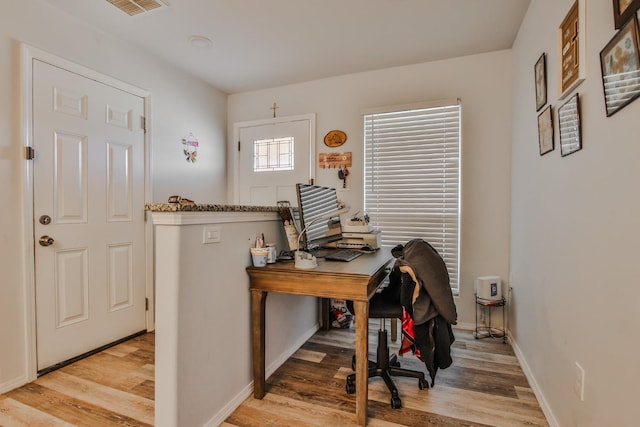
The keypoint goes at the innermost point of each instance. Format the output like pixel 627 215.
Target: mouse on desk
pixel 367 249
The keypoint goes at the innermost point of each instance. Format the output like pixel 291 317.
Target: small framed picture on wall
pixel 545 131
pixel 570 127
pixel 540 71
pixel 620 64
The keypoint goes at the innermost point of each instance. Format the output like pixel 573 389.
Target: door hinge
pixel 146 304
pixel 143 123
pixel 238 145
pixel 29 153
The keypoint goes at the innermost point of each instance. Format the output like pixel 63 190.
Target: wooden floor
pixel 484 387
pixel 111 388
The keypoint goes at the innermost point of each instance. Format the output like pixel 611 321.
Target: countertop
pixel 199 207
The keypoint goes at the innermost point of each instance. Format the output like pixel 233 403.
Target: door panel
pixel 89 177
pixel 70 176
pixel 72 287
pixel 120 280
pixel 119 183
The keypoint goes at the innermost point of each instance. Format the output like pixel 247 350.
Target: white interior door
pixel 274 156
pixel 88 177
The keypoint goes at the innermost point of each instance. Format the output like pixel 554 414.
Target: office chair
pixel 383 306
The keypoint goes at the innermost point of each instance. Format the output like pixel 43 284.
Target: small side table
pixel 485 330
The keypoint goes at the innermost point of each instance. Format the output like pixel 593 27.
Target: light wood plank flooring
pixel 484 387
pixel 112 388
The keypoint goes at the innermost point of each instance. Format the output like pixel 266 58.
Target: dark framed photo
pixel 569 124
pixel 545 131
pixel 623 10
pixel 540 71
pixel 620 65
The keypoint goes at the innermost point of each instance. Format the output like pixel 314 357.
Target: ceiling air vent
pixel 136 7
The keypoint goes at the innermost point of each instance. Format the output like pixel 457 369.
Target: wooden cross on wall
pixel 275 106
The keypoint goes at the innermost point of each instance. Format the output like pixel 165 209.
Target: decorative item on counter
pixel 335 138
pixel 259 256
pixel 181 200
pixel 190 147
pixel 259 253
pixel 289 224
pixel 273 253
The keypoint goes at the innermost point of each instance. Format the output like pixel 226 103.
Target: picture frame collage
pixel 620 67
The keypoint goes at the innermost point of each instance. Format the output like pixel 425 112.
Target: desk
pixel 356 280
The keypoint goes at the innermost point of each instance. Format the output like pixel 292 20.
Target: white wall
pixel 203 337
pixel 575 233
pixel 483 84
pixel 179 104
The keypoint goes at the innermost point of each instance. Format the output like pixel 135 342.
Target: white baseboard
pixel 13 384
pixel 551 419
pixel 464 326
pixel 248 390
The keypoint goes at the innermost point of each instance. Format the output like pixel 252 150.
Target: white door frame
pixel 311 117
pixel 28 54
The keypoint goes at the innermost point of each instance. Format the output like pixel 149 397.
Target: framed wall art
pixel 572 40
pixel 545 131
pixel 540 71
pixel 620 65
pixel 623 10
pixel 569 124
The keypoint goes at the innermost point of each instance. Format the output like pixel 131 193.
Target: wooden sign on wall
pixel 571 37
pixel 335 160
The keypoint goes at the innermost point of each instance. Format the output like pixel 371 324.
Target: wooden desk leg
pixel 325 314
pixel 258 301
pixel 361 309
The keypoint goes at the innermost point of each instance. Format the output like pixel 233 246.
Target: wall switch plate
pixel 211 234
pixel 578 386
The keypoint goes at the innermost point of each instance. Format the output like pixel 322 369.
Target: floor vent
pixel 136 7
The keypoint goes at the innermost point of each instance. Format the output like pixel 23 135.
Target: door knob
pixel 45 241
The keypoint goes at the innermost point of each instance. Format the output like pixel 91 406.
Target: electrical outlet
pixel 578 386
pixel 211 234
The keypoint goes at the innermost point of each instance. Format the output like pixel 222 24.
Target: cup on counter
pixel 259 256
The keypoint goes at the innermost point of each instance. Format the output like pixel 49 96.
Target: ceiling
pixel 258 44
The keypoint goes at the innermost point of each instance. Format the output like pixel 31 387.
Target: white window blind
pixel 412 178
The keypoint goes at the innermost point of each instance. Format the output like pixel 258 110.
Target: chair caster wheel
pixel 396 403
pixel 351 387
pixel 423 383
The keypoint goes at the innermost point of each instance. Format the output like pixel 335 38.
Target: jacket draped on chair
pixel 421 276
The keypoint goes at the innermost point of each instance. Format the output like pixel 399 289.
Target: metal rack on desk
pixel 485 330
